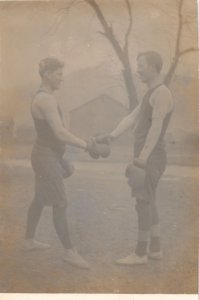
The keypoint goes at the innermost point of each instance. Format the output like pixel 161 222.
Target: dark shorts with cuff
pixel 49 184
pixel 155 168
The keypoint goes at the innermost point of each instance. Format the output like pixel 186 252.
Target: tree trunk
pixel 170 73
pixel 130 87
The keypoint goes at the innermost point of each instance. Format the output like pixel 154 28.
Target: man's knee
pixel 141 204
pixel 36 204
pixel 144 214
pixel 59 209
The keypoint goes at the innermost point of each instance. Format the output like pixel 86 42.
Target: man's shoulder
pixel 43 99
pixel 162 92
pixel 163 89
pixel 162 96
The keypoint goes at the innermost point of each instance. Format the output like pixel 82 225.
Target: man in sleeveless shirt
pixel 46 158
pixel 149 121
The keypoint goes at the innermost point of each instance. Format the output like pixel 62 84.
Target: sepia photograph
pixel 99 147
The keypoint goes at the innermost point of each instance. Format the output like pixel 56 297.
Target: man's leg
pixel 143 209
pixel 148 219
pixel 154 246
pixel 61 227
pixel 34 214
pixel 144 213
pixel 144 224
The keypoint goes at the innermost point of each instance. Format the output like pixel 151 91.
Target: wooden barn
pixel 98 116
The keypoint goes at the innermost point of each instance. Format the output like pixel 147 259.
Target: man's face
pixel 55 78
pixel 144 70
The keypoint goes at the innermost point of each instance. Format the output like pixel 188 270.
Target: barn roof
pixel 85 85
pixel 101 98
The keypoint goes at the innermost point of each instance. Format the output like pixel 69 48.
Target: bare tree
pixel 178 51
pixel 122 51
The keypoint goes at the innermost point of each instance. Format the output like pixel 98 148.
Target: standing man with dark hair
pixel 47 161
pixel 149 120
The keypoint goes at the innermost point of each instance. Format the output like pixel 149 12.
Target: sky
pixel 33 30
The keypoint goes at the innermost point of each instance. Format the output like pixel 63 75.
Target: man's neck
pixel 154 82
pixel 46 88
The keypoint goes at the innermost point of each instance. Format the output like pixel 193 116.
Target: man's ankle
pixel 154 244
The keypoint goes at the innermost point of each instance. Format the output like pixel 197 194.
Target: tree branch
pixel 129 26
pixel 191 49
pixel 173 66
pixel 61 12
pixel 171 71
pixel 108 30
pixel 122 53
pixel 179 30
pixel 177 54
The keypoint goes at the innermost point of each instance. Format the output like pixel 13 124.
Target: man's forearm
pixel 70 139
pixel 121 128
pixel 128 122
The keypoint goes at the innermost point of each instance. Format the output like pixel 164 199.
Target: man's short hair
pixel 49 64
pixel 153 58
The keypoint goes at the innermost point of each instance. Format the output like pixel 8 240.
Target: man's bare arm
pixel 48 108
pixel 163 103
pixel 127 122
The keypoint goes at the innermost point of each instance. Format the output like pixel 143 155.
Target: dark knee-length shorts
pixel 155 168
pixel 49 184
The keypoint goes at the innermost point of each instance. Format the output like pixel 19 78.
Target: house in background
pixel 98 116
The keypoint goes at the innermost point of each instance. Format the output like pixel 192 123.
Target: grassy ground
pixel 178 153
pixel 103 226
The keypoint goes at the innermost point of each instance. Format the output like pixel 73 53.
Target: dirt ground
pixel 102 222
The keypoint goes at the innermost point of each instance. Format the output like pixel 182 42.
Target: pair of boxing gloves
pixel 96 147
pixel 99 147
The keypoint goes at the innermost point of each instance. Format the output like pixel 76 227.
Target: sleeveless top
pixel 144 123
pixel 45 135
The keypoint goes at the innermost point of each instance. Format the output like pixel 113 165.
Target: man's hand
pixel 104 139
pixel 96 149
pixel 92 148
pixel 140 163
pixel 136 179
pixel 68 168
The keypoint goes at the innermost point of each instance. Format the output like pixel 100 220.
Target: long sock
pixel 141 247
pixel 61 226
pixel 34 214
pixel 144 224
pixel 154 244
